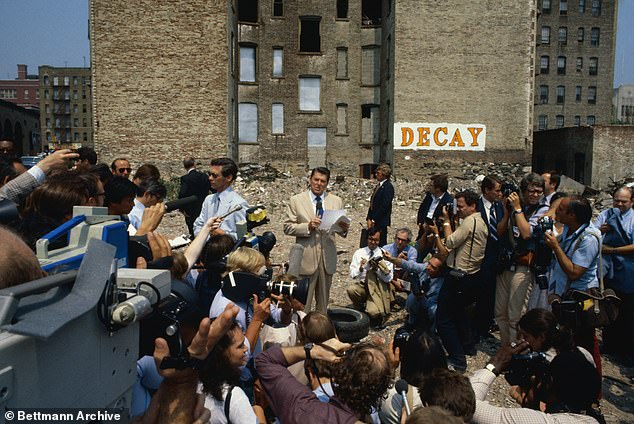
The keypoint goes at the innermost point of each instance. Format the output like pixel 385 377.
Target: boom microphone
pixel 236 208
pixel 180 203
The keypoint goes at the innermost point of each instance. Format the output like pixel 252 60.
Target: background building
pixel 301 84
pixel 576 41
pixel 22 91
pixel 65 106
pixel 623 104
pixel 596 156
pixel 21 126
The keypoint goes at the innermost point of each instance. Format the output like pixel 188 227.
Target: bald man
pixel 18 264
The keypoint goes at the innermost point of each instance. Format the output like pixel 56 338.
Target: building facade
pixel 576 42
pixel 623 104
pixel 20 125
pixel 596 156
pixel 65 107
pixel 304 83
pixel 22 91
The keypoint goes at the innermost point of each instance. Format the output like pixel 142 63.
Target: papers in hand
pixel 332 219
pixel 179 241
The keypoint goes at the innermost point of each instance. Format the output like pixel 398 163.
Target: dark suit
pixel 485 299
pixel 424 209
pixel 380 210
pixel 194 183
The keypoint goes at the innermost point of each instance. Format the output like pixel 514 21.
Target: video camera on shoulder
pixel 240 286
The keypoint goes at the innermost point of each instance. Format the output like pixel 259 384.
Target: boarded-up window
pixel 278 62
pixel 247 123
pixel 247 63
pixel 342 62
pixel 316 143
pixel 370 65
pixel 277 118
pixel 342 118
pixel 309 94
pixel 316 137
pixel 370 124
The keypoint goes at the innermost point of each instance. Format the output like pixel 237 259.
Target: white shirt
pixel 434 204
pixel 364 253
pixel 136 214
pixel 487 207
pixel 240 410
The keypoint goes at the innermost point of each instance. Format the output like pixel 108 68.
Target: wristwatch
pixel 492 368
pixel 307 348
pixel 518 211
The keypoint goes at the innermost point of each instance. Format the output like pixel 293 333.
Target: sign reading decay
pixel 459 137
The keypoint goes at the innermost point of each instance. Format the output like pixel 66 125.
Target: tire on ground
pixel 351 325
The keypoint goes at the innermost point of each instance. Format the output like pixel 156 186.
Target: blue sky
pixel 55 32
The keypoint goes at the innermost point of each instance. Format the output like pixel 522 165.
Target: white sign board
pixel 456 137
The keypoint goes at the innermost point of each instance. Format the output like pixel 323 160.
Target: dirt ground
pixel 618 391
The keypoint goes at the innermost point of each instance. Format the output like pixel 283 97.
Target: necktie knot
pixel 319 208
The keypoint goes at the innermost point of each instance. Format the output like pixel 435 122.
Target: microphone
pixel 401 387
pixel 295 259
pixel 179 203
pixel 236 208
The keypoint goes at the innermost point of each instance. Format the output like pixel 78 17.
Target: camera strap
pixel 227 406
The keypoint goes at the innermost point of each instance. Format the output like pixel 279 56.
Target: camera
pixel 508 188
pixel 379 263
pixel 241 286
pixel 523 367
pixel 401 337
pixel 541 276
pixel 546 224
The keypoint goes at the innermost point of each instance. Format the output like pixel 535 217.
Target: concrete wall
pixel 161 82
pixel 466 62
pixel 613 153
pixel 607 152
pixel 21 126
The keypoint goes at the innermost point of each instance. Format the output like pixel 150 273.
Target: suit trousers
pixel 452 322
pixel 319 289
pixel 512 291
pixel 375 294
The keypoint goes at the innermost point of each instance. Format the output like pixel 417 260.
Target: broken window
pixel 579 64
pixel 278 7
pixel 342 63
pixel 559 121
pixel 593 66
pixel 577 120
pixel 544 65
pixel 309 38
pixel 580 34
pixel 582 6
pixel 277 118
pixel 248 11
pixel 371 12
pixel 247 123
pixel 542 122
pixel 563 7
pixel 309 94
pixel 247 63
pixel 545 6
pixel 370 65
pixel 592 95
pixel 370 124
pixel 563 35
pixel 342 9
pixel 561 65
pixel 578 94
pixel 543 94
pixel 596 7
pixel 594 36
pixel 590 120
pixel 561 94
pixel 545 35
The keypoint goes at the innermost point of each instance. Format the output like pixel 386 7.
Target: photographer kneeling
pixel 565 389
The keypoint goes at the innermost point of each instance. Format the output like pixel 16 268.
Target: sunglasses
pixel 122 170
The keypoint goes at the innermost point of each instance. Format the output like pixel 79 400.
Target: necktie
pixel 374 194
pixel 493 223
pixel 320 207
pixel 216 205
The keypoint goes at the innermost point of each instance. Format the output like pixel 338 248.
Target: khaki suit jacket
pixel 317 243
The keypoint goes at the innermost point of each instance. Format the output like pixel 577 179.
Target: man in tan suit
pixel 303 217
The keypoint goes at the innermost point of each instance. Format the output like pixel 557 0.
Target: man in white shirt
pixel 551 184
pixel 372 276
pixel 224 172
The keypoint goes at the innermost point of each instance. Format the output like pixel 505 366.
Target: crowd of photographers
pixel 505 258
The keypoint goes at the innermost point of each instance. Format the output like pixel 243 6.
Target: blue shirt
pixel 626 219
pixel 391 248
pixel 218 204
pixel 618 269
pixel 136 214
pixel 582 247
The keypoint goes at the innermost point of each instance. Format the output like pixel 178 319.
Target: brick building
pixel 308 83
pixel 576 42
pixel 22 91
pixel 596 156
pixel 65 106
pixel 20 125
